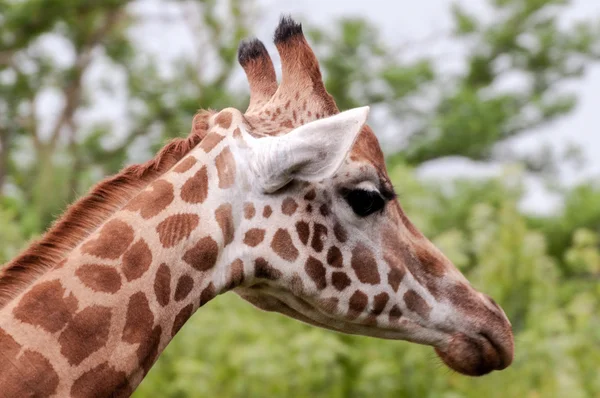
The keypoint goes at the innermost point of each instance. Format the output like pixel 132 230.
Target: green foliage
pixel 580 210
pixel 543 270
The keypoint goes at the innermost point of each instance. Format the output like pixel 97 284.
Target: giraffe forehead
pixel 367 150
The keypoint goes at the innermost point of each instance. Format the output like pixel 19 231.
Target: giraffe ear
pixel 311 152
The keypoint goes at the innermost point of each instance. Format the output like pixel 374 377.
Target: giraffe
pixel 287 204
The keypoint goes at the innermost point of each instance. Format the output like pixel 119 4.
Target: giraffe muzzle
pixel 490 349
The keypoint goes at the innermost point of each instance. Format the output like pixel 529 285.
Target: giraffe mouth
pixel 472 356
pixel 475 356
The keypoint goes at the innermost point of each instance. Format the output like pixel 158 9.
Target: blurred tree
pixel 580 211
pixel 516 65
pixel 65 156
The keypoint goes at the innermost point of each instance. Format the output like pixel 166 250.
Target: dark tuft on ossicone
pixel 250 49
pixel 286 29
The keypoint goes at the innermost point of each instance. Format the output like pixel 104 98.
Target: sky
pixel 404 22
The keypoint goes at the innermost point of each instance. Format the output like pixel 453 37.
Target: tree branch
pixel 72 91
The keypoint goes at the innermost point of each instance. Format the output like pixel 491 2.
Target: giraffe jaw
pixel 275 300
pixel 471 356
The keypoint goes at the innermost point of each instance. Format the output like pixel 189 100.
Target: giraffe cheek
pixel 365 266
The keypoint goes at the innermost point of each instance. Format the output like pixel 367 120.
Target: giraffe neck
pixel 96 323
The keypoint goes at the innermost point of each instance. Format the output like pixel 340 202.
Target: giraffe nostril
pixel 502 346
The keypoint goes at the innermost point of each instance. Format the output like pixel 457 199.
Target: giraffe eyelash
pixel 364 202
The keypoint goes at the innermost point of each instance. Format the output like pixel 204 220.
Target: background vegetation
pixel 59 64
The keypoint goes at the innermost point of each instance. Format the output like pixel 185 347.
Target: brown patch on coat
pixel 236 274
pixel 267 211
pixel 112 241
pixel 226 168
pixel 207 294
pixel 303 230
pixel 340 280
pixel 181 318
pixel 195 190
pixel 319 235
pixel 334 257
pixel 153 201
pixel 379 302
pixel 148 351
pixel 283 246
pixel 29 375
pixel 137 260
pixel 310 195
pixel 185 164
pixel 357 303
pixel 211 141
pixel 316 271
pixel 465 298
pixel 138 321
pixel 249 211
pixel 340 233
pixel 185 284
pixel 223 119
pixel 289 206
pixel 10 348
pixel 176 228
pixel 101 381
pixel 254 237
pixel 85 334
pixel 395 277
pixel 417 304
pixel 99 277
pixel 431 260
pixel 264 270
pixel 162 285
pixel 203 256
pixel 224 218
pixel 364 264
pixel 46 306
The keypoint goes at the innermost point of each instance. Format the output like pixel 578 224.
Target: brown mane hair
pixel 87 214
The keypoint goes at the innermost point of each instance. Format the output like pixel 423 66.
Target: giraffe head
pixel 329 242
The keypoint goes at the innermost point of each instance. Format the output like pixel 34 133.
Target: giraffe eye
pixel 364 202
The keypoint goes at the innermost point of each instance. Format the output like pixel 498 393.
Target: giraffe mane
pixel 88 213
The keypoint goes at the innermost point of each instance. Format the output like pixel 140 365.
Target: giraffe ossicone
pixel 287 204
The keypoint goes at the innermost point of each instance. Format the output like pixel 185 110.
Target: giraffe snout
pixel 487 347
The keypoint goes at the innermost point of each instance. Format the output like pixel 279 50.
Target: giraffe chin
pixel 474 356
